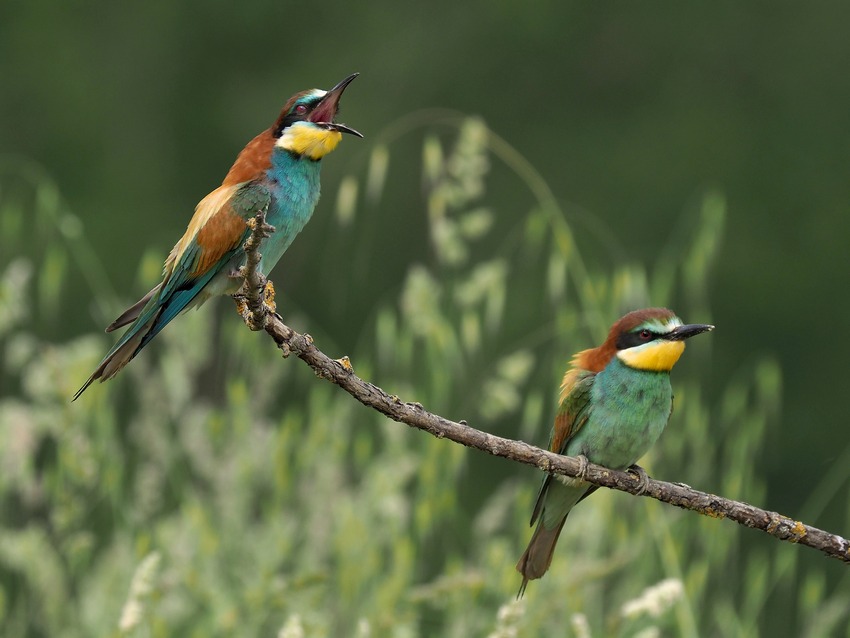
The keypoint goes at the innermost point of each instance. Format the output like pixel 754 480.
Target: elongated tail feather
pixel 537 557
pixel 120 355
pixel 150 320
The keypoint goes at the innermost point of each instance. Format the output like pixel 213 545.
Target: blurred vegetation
pixel 216 490
pixel 692 152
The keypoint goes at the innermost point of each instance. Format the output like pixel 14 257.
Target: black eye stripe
pixel 632 339
pixel 293 117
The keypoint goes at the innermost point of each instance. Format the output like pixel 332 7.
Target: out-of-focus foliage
pixel 216 490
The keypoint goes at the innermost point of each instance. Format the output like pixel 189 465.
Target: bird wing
pixel 215 234
pixel 216 231
pixel 574 398
pixel 216 228
pixel 572 415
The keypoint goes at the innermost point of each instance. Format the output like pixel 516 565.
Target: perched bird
pixel 614 403
pixel 278 171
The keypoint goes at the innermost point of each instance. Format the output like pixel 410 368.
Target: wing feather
pixel 207 208
pixel 215 234
pixel 572 415
pixel 216 231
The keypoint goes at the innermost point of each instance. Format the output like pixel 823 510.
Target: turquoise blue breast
pixel 294 186
pixel 628 411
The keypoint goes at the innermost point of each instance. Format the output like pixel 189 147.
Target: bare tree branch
pixel 341 372
pixel 256 290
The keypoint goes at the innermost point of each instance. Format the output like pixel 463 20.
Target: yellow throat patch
pixel 309 140
pixel 658 356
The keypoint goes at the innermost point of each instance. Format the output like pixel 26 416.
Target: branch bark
pixel 258 315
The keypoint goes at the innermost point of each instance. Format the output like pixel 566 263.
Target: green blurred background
pixel 668 135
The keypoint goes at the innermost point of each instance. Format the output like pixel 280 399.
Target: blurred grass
pixel 215 490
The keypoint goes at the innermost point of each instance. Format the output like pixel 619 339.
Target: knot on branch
pixel 345 363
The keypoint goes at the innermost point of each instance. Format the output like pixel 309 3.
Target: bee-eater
pixel 278 171
pixel 615 401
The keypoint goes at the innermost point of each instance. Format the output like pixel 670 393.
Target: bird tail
pixel 537 557
pixel 121 353
pixel 132 313
pixel 149 316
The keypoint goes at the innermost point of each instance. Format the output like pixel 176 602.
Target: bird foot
pixel 244 310
pixel 582 467
pixel 642 477
pixel 243 303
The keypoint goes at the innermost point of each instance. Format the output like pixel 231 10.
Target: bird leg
pixel 582 467
pixel 642 477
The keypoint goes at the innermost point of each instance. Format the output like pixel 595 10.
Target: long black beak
pixel 326 110
pixel 342 128
pixel 687 331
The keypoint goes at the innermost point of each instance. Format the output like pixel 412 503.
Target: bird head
pixel 306 124
pixel 652 338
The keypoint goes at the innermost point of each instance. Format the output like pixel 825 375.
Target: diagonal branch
pixel 340 372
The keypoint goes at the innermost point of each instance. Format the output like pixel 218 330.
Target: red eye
pixel 646 335
pixel 301 109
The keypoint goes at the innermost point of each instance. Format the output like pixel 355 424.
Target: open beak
pixel 687 331
pixel 325 111
pixel 342 128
